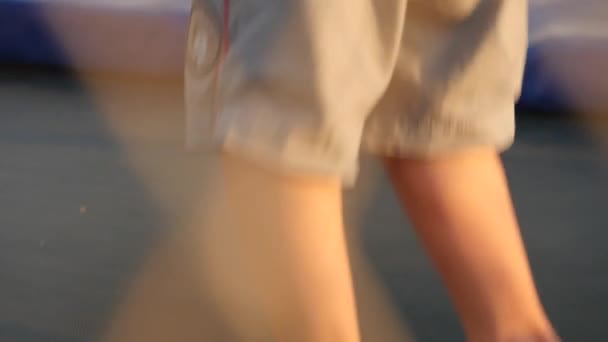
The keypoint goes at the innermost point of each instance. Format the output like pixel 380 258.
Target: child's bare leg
pixel 277 257
pixel 462 211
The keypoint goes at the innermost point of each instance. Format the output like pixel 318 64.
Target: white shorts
pixel 304 85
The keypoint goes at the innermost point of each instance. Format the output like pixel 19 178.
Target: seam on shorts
pixel 280 145
pixel 401 137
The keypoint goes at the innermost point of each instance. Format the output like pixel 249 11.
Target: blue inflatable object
pixel 25 37
pixel 539 90
pixel 567 67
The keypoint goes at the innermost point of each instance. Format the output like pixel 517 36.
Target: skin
pixel 461 209
pixel 284 233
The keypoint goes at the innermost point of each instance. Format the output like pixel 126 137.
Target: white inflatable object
pixel 567 66
pixel 118 35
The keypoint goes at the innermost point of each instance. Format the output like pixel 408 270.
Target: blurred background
pixel 97 193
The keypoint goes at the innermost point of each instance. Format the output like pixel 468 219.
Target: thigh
pixel 275 255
